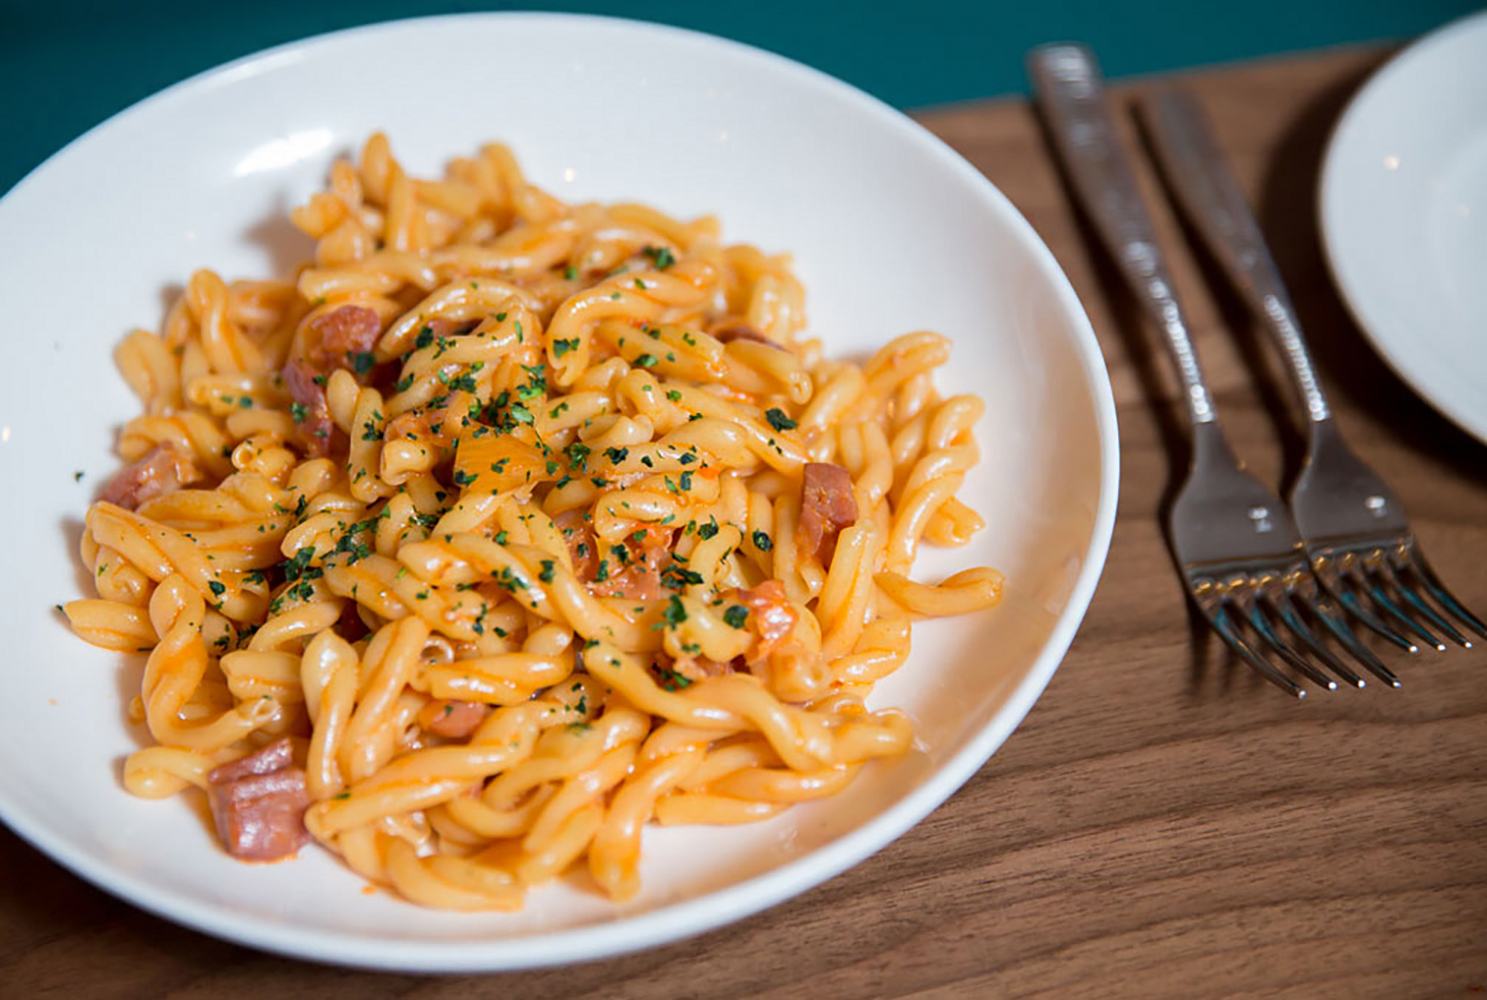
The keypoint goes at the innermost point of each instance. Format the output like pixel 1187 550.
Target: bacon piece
pixel 164 470
pixel 343 331
pixel 637 580
pixel 827 505
pixel 439 425
pixel 274 757
pixel 315 424
pixel 742 331
pixel 258 804
pixel 771 616
pixel 452 719
pixel 580 538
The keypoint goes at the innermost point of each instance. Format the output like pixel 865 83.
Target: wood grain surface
pixel 1163 824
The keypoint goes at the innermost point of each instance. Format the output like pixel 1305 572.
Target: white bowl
pixel 892 230
pixel 1404 216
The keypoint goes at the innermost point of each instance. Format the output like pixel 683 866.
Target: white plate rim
pixel 677 921
pixel 1409 367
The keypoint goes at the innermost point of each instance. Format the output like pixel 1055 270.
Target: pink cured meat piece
pixel 258 804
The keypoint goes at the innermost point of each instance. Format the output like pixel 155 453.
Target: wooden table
pixel 1163 824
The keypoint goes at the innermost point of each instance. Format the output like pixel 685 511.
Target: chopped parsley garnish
pixel 762 541
pixel 662 257
pixel 562 347
pixel 462 383
pixel 570 272
pixel 778 420
pixel 546 576
pixel 216 587
pixel 462 478
pixel 361 361
pixel 536 382
pixel 298 412
pixel 299 564
pixel 673 681
pixel 509 580
pixel 675 395
pixel 616 455
pixel 369 430
pixel 425 337
pixel 645 361
pixel 676 576
pixel 675 613
pixel 736 615
pixel 708 530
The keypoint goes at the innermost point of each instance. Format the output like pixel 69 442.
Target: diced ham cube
pixel 258 804
pixel 274 757
pixel 311 409
pixel 164 470
pixel 345 331
pixel 636 576
pixel 452 719
pixel 771 617
pixel 827 505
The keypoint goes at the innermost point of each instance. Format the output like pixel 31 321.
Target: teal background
pixel 66 65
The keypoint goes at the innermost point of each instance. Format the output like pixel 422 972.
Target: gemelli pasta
pixel 507 527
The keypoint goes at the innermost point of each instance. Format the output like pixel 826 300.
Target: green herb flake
pixel 662 257
pixel 778 420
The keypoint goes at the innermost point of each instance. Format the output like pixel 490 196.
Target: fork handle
pixel 1210 197
pixel 1068 89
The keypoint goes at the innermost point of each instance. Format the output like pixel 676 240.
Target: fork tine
pixel 1382 599
pixel 1286 608
pixel 1337 624
pixel 1223 624
pixel 1255 615
pixel 1349 600
pixel 1387 571
pixel 1421 570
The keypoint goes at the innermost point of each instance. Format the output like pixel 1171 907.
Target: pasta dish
pixel 506 527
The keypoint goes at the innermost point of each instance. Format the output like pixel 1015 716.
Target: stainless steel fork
pixel 1238 549
pixel 1353 527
